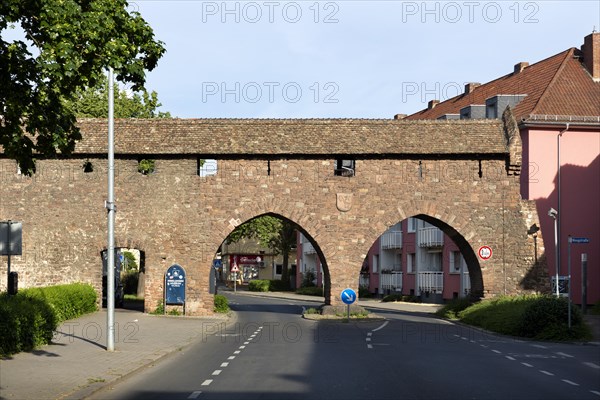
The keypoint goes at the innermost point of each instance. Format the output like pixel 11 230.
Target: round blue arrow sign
pixel 348 296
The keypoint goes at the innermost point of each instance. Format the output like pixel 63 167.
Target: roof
pixel 558 85
pixel 267 137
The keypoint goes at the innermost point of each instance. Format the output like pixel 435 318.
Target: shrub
pixel 160 308
pixel 308 279
pixel 534 316
pixel 277 285
pixel 311 291
pixel 546 318
pixel 130 282
pixel 401 297
pixel 259 285
pixel 363 293
pixel 453 308
pixel 29 318
pixel 221 304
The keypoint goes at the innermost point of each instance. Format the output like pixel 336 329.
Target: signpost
pixel 575 240
pixel 234 271
pixel 348 297
pixel 11 243
pixel 175 286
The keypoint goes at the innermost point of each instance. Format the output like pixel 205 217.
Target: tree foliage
pixel 92 103
pixel 277 234
pixel 67 47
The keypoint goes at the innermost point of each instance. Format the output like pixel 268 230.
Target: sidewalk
pixel 76 364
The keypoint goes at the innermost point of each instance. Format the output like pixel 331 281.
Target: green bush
pixel 29 318
pixel 277 285
pixel 363 293
pixel 546 318
pixel 595 310
pixel 453 308
pixel 259 285
pixel 401 297
pixel 129 280
pixel 221 304
pixel 311 291
pixel 534 316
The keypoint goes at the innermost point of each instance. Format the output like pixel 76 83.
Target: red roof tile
pixel 558 85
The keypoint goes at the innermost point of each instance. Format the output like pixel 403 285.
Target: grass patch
pixel 531 316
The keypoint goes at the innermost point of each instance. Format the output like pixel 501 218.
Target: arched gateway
pixel 344 182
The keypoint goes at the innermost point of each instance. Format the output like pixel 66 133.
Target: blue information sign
pixel 217 264
pixel 580 240
pixel 175 285
pixel 348 296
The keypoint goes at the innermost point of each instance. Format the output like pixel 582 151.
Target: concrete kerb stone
pixel 76 364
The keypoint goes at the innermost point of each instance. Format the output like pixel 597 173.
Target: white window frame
pixel 412 225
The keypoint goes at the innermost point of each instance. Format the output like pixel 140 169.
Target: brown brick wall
pixel 175 216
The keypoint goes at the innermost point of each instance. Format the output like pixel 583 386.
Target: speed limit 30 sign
pixel 485 252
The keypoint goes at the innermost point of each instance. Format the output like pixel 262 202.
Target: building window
pixel 344 168
pixel 412 225
pixel 457 262
pixel 206 167
pixel 491 110
pixel 410 262
pixel 279 268
pixel 376 263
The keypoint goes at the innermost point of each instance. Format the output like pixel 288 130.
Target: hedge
pixel 221 304
pixel 29 318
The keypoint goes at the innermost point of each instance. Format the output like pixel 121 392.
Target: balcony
pixel 392 281
pixel 391 240
pixel 431 237
pixel 431 281
pixel 308 248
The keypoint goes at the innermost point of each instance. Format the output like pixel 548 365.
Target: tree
pixel 67 47
pixel 92 103
pixel 272 232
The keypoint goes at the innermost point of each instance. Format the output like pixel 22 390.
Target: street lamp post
pixel 554 215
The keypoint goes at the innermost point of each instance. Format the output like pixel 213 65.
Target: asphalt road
pixel 270 352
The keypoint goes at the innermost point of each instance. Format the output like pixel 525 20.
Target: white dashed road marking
pixel 592 365
pixel 207 382
pixel 546 372
pixel 195 394
pixel 564 354
pixel 527 365
pixel 217 372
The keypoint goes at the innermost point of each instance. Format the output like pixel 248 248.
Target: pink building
pixel 556 103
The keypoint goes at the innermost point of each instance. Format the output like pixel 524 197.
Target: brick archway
pixel 463 176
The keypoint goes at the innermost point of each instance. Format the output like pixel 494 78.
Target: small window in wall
pixel 206 167
pixel 279 269
pixel 376 263
pixel 410 262
pixel 345 168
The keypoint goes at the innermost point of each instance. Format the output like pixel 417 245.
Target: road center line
pixel 206 382
pixel 592 365
pixel 217 372
pixel 195 394
pixel 369 333
pixel 225 364
pixel 510 358
pixel 231 357
pixel 381 327
pixel 539 346
pixel 242 347
pixel 546 372
pixel 497 351
pixel 595 392
pixel 570 382
pixel 527 365
pixel 369 346
pixel 564 354
pixel 237 352
pixel 246 342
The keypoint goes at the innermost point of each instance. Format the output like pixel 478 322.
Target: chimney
pixel 432 103
pixel 591 54
pixel 469 87
pixel 519 67
pixel 399 116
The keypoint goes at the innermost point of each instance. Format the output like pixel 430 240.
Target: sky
pixel 346 59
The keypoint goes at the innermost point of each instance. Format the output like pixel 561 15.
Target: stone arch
pixel 456 226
